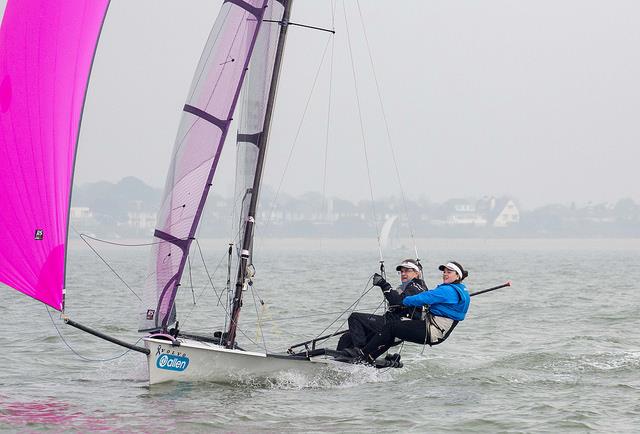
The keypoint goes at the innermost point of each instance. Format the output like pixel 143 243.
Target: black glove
pixel 378 280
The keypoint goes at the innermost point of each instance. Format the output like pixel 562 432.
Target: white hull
pixel 203 361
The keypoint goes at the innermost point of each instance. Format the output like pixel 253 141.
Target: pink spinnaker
pixel 46 52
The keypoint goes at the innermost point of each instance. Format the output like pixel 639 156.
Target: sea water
pixel 559 351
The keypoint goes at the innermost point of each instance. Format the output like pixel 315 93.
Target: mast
pixel 253 205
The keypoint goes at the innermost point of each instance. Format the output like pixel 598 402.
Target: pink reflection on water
pixel 49 413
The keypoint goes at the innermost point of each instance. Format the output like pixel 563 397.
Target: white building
pixel 464 212
pixel 505 213
pixel 80 213
pixel 141 220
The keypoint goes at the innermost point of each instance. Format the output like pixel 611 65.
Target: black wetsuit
pixel 363 326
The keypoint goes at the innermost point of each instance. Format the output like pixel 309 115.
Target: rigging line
pixel 227 286
pixel 300 336
pixel 324 212
pixel 350 307
pixel 342 312
pixel 258 294
pixel 387 129
pixel 333 14
pixel 235 215
pixel 229 289
pixel 325 207
pixel 295 140
pixel 244 334
pixel 77 353
pixel 113 243
pixel 233 218
pixel 209 275
pixel 302 25
pixel 187 315
pixel 258 318
pixel 238 202
pixel 364 140
pixel 341 326
pixel 107 264
pixel 234 240
pixel 193 294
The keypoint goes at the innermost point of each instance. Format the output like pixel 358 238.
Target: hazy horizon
pixel 533 99
pixel 387 197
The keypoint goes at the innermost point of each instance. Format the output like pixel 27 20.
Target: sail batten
pixel 223 124
pixel 46 53
pixel 248 7
pixel 201 134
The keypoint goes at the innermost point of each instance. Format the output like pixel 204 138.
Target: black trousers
pixel 362 328
pixel 411 330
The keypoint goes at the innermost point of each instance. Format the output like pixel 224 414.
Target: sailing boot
pixel 359 357
pixel 393 357
pixel 390 361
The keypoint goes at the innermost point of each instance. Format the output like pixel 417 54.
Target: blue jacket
pixel 450 300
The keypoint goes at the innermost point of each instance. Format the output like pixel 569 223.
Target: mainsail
pixel 253 146
pixel 255 95
pixel 46 53
pixel 203 128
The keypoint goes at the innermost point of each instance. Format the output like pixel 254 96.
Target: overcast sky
pixel 537 99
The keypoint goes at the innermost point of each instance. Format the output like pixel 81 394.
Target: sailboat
pixel 45 64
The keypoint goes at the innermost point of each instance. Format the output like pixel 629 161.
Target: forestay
pixel 203 128
pixel 46 53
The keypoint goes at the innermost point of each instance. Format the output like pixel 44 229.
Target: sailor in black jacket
pixel 363 326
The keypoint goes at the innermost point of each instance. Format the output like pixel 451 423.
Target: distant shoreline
pixel 423 244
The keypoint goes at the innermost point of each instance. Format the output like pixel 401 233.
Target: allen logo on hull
pixel 172 363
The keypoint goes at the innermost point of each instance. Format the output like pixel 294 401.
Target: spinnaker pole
pixel 253 205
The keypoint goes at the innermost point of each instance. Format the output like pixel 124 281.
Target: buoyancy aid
pixel 440 327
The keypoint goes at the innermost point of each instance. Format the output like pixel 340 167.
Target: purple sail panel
pixel 255 94
pixel 46 51
pixel 203 128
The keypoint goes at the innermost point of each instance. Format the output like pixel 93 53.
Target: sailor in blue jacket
pixel 447 304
